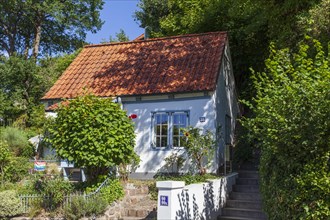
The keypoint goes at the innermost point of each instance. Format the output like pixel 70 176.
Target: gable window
pixel 228 129
pixel 166 128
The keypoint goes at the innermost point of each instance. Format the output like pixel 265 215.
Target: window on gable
pixel 166 128
pixel 228 129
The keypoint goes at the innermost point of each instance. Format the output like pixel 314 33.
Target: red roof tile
pixel 163 65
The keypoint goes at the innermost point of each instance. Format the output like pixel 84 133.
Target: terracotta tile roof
pixel 56 105
pixel 163 65
pixel 141 37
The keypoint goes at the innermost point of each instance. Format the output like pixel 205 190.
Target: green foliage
pixel 316 22
pixel 93 133
pixel 37 119
pixel 174 162
pixel 54 190
pixel 110 193
pixel 20 84
pixel 48 26
pixel 9 204
pixel 17 141
pixel 291 123
pixel 17 169
pixel 200 147
pixel 120 37
pixel 244 148
pixel 5 157
pixel 84 208
pixel 23 83
pixel 124 169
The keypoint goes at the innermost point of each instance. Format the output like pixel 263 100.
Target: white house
pixel 167 83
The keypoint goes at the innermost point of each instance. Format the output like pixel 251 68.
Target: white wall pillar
pixel 168 203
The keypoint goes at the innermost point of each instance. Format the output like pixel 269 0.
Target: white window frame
pixel 170 126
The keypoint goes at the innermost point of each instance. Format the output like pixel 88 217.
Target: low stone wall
pixel 195 201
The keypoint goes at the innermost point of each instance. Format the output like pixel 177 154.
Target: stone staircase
pixel 135 205
pixel 244 202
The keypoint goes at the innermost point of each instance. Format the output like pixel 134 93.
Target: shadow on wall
pixel 206 206
pixel 189 209
pixel 153 159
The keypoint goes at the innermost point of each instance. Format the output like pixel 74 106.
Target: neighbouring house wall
pixel 152 159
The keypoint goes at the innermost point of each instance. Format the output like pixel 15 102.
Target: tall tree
pixel 31 27
pixel 120 37
pixel 23 82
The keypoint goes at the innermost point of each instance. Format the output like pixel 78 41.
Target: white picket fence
pixel 30 200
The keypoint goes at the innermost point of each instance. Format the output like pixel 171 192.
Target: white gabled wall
pixel 214 108
pixel 153 159
pixel 226 103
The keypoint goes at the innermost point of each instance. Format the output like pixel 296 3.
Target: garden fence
pixel 28 201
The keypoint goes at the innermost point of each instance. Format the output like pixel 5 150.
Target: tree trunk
pixel 27 48
pixel 37 35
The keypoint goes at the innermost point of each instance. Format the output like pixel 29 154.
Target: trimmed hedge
pixel 9 204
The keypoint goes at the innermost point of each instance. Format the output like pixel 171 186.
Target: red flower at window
pixel 132 116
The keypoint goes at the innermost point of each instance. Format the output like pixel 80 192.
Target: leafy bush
pixel 174 162
pixel 85 208
pixel 94 133
pixel 17 141
pixel 55 190
pixel 17 169
pixel 111 192
pixel 291 122
pixel 5 157
pixel 9 204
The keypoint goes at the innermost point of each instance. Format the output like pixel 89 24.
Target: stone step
pixel 247 181
pixel 130 218
pixel 243 204
pixel 248 174
pixel 245 196
pixel 134 218
pixel 138 212
pixel 246 188
pixel 234 218
pixel 249 166
pixel 246 213
pixel 137 199
pixel 137 191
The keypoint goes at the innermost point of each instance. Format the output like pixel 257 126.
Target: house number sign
pixel 164 200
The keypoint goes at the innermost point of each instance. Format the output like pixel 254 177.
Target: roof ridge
pixel 156 39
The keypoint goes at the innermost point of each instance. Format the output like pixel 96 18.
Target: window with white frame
pixel 166 128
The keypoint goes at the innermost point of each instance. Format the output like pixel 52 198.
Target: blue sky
pixel 117 14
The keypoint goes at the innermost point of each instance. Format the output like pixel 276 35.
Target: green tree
pixel 5 157
pixel 316 22
pixel 120 37
pixel 200 147
pixel 93 133
pixel 46 26
pixel 23 83
pixel 291 126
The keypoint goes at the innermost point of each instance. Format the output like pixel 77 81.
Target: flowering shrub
pixel 200 147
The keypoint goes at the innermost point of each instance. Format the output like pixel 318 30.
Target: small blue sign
pixel 164 200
